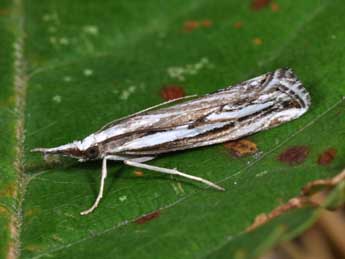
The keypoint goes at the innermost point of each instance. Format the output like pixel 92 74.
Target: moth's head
pixel 74 150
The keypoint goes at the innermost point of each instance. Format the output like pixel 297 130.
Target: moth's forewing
pixel 254 105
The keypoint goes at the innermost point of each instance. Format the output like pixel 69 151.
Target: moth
pixel 228 114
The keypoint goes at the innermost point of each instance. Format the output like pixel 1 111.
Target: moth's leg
pixel 141 159
pixel 103 176
pixel 171 171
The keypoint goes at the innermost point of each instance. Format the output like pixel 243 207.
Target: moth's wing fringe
pixel 293 85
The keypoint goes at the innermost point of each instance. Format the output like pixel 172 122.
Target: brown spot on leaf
pixel 294 155
pixel 138 173
pixel 259 4
pixel 242 147
pixel 206 23
pixel 144 219
pixel 257 41
pixel 274 7
pixel 172 92
pixel 327 156
pixel 238 25
pixel 189 26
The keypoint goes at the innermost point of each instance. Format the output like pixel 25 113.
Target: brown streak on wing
pixel 209 136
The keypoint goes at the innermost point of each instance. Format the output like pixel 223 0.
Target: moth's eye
pixel 92 152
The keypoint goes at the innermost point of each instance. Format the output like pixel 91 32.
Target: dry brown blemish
pixel 312 194
pixel 206 23
pixel 257 5
pixel 294 155
pixel 257 41
pixel 297 202
pixel 315 186
pixel 146 218
pixel 172 92
pixel 238 25
pixel 189 26
pixel 327 156
pixel 274 7
pixel 241 148
pixel 138 173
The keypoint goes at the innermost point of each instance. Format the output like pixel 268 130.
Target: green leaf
pixel 88 63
